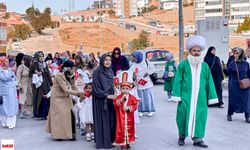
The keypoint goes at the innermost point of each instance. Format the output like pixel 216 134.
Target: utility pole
pixel 181 31
pixel 100 25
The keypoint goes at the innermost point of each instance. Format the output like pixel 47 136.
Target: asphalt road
pixel 156 133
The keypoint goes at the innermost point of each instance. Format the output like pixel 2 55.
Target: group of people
pixel 70 90
pixel 105 95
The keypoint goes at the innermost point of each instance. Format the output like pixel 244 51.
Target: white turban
pixel 196 40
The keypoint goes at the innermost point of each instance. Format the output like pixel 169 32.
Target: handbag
pixel 152 76
pixel 244 83
pixel 1 99
pixel 165 76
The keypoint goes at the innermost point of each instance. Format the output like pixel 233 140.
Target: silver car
pixel 158 58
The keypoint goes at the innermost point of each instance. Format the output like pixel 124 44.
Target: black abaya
pixel 103 108
pixel 216 71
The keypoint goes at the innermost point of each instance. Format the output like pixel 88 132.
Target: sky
pixel 57 6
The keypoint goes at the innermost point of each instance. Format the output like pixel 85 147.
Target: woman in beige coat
pixel 61 120
pixel 24 87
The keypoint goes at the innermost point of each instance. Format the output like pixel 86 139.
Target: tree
pixel 111 12
pixel 20 31
pixel 31 12
pixel 142 42
pixel 244 26
pixel 45 20
pixel 39 20
pixel 47 11
pixel 6 16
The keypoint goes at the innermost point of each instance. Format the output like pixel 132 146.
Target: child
pixel 87 112
pixel 125 105
pixel 170 69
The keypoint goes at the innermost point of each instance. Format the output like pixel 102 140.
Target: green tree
pixel 142 42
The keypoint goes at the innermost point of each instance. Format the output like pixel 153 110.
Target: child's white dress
pixel 86 110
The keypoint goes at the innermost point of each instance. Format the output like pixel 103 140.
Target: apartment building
pixel 126 8
pixel 238 11
pixel 169 4
pixel 233 10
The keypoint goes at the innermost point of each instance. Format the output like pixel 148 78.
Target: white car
pixel 158 58
pixel 16 46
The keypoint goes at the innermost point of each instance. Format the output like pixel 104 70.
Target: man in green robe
pixel 193 86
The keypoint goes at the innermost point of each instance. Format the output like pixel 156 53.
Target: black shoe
pixel 59 140
pixel 201 144
pixel 181 141
pixel 229 118
pixel 247 120
pixel 43 118
pixel 73 139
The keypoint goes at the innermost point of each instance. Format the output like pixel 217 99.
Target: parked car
pixel 147 31
pixel 128 56
pixel 130 27
pixel 16 46
pixel 155 24
pixel 121 24
pixel 158 58
pixel 162 33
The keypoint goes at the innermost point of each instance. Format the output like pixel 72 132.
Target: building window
pixel 213 25
pixel 213 10
pixel 213 2
pixel 199 5
pixel 200 12
pixel 240 9
pixel 239 1
pixel 239 17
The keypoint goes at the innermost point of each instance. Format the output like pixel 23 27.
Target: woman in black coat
pixel 103 108
pixel 119 62
pixel 40 103
pixel 216 71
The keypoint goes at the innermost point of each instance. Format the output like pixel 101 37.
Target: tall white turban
pixel 196 40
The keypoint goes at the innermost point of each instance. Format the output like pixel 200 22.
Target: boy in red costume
pixel 125 105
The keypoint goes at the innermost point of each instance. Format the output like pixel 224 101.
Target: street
pixel 156 133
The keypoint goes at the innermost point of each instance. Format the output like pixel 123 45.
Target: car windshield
pixel 157 55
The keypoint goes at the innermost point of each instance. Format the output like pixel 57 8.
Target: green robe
pixel 192 108
pixel 168 84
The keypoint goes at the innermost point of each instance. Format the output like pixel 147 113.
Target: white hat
pixel 125 78
pixel 196 40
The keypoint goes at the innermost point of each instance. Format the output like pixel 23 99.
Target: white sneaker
pixel 140 114
pixel 150 114
pixel 169 100
pixel 136 136
pixel 88 137
pixel 92 136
